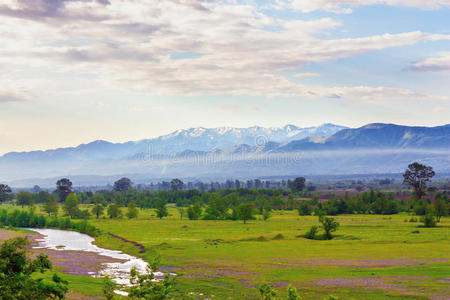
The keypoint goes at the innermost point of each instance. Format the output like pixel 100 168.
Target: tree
pixel 429 220
pixel 114 211
pixel 71 206
pixel 304 208
pixel 5 190
pixel 440 207
pixel 292 293
pixel 18 280
pixel 144 286
pixel 245 211
pixel 132 211
pixel 63 188
pixel 161 209
pixel 267 292
pixel 109 287
pixel 176 184
pixel 123 184
pixel 298 184
pixel 99 205
pixel 24 198
pixel 51 206
pixel 417 176
pixel 329 225
pixel 194 212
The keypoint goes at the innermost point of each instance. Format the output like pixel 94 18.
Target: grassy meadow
pixel 371 256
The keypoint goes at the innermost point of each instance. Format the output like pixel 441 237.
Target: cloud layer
pixel 222 47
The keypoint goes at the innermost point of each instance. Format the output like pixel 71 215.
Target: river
pixel 62 240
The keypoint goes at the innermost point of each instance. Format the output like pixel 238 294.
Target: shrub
pixel 429 220
pixel 312 233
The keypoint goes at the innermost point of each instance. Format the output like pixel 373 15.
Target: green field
pixel 371 256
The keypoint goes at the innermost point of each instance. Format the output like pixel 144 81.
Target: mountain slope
pixel 195 139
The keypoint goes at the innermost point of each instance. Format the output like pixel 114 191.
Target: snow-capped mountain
pixel 195 139
pixel 243 152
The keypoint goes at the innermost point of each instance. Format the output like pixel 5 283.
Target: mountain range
pixel 226 152
pixel 196 139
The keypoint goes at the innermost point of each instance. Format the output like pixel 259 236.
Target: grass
pixel 227 259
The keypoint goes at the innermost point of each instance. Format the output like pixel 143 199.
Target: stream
pixel 62 240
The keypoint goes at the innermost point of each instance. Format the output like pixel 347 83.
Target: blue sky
pixel 76 71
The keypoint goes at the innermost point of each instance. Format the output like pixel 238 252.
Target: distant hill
pixel 222 153
pixel 196 139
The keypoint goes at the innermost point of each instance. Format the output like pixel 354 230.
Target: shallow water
pixel 62 240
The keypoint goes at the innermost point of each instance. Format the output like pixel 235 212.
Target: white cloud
pixel 307 75
pixel 345 6
pixel 128 44
pixel 441 63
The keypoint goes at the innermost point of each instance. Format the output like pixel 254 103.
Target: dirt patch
pixel 72 262
pixel 364 263
pixel 78 296
pixel 387 283
pixel 9 234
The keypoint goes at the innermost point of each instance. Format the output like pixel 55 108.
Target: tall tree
pixel 245 211
pixel 132 211
pixel 114 211
pixel 161 209
pixel 19 274
pixel 24 198
pixel 51 206
pixel 329 225
pixel 71 206
pixel 176 184
pixel 63 188
pixel 99 205
pixel 5 190
pixel 417 176
pixel 298 184
pixel 123 184
pixel 440 206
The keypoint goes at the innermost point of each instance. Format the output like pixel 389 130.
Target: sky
pixel 74 71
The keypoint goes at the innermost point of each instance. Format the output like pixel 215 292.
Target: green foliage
pixel 267 292
pixel 24 198
pixel 329 225
pixel 143 286
pixel 114 211
pixel 194 212
pixel 16 274
pixel 440 206
pixel 161 209
pixel 428 220
pixel 266 215
pixel 312 233
pixel 109 286
pixel 18 218
pixel 132 211
pixel 417 176
pixel 5 192
pixel 71 206
pixel 298 184
pixel 304 208
pixel 63 188
pixel 292 293
pixel 51 206
pixel 245 212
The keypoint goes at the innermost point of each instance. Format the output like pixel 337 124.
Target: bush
pixel 413 220
pixel 312 233
pixel 429 220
